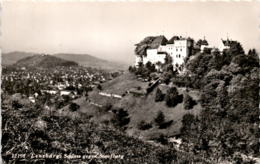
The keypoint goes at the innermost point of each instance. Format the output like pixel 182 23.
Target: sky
pixel 109 30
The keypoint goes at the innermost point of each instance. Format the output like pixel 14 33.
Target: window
pixel 176 49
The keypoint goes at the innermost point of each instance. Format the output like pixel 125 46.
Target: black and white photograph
pixel 130 82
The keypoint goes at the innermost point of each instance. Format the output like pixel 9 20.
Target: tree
pixel 150 66
pixel 74 107
pixel 99 87
pixel 159 96
pixel 172 97
pixel 167 59
pixel 235 48
pixel 159 119
pixel 120 119
pixel 188 102
pixel 202 42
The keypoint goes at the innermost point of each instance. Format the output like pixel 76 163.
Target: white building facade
pixel 178 51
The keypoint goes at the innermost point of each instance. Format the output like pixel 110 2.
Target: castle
pixel 177 48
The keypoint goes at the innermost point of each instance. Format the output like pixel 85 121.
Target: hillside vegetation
pixel 138 107
pixel 229 86
pixel 213 107
pixel 43 133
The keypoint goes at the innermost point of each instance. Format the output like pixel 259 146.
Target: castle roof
pixel 159 40
pixel 171 41
pixel 227 42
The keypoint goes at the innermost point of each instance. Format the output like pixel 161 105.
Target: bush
pixel 166 77
pixel 149 66
pixel 74 107
pixel 189 102
pixel 144 125
pixel 99 87
pixel 159 119
pixel 165 124
pixel 173 98
pixel 159 96
pixel 120 119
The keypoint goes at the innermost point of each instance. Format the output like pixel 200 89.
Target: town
pixel 62 84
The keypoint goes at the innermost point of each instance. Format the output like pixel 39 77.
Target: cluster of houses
pixel 178 48
pixel 58 82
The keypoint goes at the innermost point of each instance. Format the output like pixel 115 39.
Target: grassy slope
pixel 122 83
pixel 139 108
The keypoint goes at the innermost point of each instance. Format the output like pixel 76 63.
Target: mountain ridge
pixel 82 59
pixel 43 61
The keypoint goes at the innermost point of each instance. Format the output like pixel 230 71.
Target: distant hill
pixel 82 59
pixel 13 57
pixel 43 61
pixel 91 61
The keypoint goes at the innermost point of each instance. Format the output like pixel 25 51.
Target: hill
pixel 91 61
pixel 43 61
pixel 82 59
pixel 139 107
pixel 13 57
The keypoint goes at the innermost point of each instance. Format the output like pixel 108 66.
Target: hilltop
pixel 43 61
pixel 82 59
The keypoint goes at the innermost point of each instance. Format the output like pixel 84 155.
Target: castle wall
pixel 154 57
pixel 138 59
